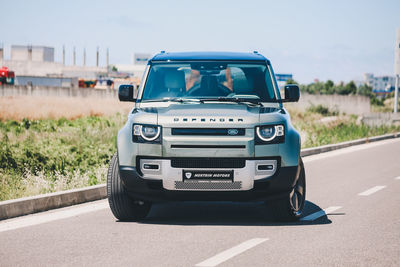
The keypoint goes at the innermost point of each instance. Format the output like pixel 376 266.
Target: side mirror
pixel 125 93
pixel 292 93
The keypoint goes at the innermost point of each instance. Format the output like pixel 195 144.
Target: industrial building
pixel 380 83
pixel 32 53
pixel 36 65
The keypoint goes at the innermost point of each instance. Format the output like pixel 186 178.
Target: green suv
pixel 207 126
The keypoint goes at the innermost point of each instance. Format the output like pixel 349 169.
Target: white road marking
pixel 49 216
pixel 232 252
pixel 320 213
pixel 372 190
pixel 397 178
pixel 346 150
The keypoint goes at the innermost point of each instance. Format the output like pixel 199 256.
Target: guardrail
pixel 28 205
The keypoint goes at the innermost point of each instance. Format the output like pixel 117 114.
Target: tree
pixel 351 87
pixel 347 89
pixel 291 81
pixel 364 90
pixel 329 84
pixel 328 88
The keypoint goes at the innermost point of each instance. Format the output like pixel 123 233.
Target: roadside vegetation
pixel 320 126
pixel 42 156
pixel 350 88
pixel 47 149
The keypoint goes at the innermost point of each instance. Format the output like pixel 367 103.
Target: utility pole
pixel 30 52
pixel 63 59
pixel 107 58
pixel 397 70
pixel 84 56
pixel 74 56
pixel 2 51
pixel 97 57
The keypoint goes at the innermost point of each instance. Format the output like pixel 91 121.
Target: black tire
pixel 290 207
pixel 124 207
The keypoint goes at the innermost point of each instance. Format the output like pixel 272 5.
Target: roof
pixel 201 56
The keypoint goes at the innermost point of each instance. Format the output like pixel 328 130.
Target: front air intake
pixel 212 186
pixel 212 163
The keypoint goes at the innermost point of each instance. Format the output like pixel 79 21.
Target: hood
pixel 209 114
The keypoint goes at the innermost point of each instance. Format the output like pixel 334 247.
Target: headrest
pixel 243 86
pixel 174 79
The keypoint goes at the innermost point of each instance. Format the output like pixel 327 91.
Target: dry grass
pixel 34 108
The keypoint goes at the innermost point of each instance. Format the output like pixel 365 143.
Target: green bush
pixel 56 152
pixel 320 109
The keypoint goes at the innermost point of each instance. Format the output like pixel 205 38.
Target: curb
pixel 29 205
pixel 321 149
pixel 23 206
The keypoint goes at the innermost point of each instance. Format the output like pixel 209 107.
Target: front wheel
pixel 122 205
pixel 290 207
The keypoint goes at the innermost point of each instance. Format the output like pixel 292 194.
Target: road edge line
pixel 325 212
pixel 372 190
pixel 231 252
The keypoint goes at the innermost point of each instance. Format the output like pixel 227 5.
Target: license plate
pixel 207 175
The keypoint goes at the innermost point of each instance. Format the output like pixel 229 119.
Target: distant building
pixel 37 66
pixel 136 70
pixel 283 77
pixel 380 84
pixel 46 81
pixel 141 58
pixel 38 61
pixel 32 53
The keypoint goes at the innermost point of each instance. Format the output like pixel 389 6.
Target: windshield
pixel 209 80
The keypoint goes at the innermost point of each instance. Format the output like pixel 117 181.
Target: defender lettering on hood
pixel 220 119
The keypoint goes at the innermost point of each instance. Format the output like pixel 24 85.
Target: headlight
pixel 270 134
pixel 146 133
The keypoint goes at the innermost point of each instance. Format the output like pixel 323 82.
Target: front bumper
pixel 167 182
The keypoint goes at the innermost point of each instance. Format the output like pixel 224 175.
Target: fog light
pixel 151 166
pixel 265 167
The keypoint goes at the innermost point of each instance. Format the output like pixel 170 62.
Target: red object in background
pixel 86 83
pixel 6 76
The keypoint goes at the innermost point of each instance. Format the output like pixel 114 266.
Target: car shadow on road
pixel 223 213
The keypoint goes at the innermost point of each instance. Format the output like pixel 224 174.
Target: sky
pixel 337 40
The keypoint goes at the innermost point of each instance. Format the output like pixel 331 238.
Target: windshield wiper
pixel 173 99
pixel 234 99
pixel 202 100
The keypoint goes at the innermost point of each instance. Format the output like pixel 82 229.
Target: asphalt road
pixel 358 187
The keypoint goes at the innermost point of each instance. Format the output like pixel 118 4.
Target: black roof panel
pixel 194 56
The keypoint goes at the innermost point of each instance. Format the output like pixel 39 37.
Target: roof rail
pixel 162 51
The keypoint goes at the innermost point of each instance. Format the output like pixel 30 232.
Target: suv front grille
pixel 209 131
pixel 212 163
